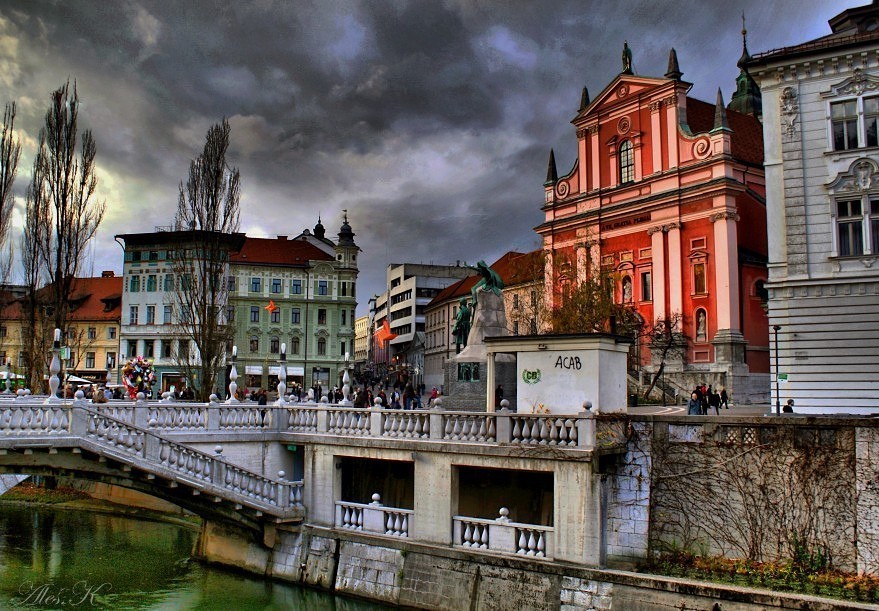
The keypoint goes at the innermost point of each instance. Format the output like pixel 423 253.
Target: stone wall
pixel 628 501
pixel 747 487
pixel 400 572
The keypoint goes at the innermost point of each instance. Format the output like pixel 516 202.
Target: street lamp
pixel 776 328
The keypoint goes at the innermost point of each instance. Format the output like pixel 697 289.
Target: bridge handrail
pixel 186 461
pixel 582 430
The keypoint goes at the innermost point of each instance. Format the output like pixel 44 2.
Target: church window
pixel 700 286
pixel 627 162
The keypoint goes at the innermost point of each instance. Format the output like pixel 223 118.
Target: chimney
pixel 282 237
pixel 108 274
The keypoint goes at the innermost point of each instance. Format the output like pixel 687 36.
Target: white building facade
pixel 821 139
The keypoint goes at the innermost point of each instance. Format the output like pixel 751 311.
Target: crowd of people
pixel 703 398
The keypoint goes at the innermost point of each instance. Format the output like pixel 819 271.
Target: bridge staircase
pixel 77 437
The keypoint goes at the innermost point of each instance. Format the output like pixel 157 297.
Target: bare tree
pixel 36 230
pixel 65 183
pixel 588 305
pixel 208 208
pixel 666 341
pixel 10 153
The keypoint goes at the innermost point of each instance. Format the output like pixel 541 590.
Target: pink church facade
pixel 668 194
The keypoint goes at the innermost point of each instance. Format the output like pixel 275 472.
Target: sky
pixel 429 121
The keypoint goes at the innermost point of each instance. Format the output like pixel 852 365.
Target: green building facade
pixel 298 293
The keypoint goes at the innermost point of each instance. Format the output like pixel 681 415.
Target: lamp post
pixel 8 390
pixel 776 328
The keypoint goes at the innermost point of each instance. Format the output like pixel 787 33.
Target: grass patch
pixel 27 492
pixel 787 576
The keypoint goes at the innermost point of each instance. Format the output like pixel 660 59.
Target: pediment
pixel 623 88
pixel 856 84
pixel 862 175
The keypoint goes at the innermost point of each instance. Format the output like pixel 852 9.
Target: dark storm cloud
pixel 430 121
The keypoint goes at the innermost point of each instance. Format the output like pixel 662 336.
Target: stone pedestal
pixel 729 346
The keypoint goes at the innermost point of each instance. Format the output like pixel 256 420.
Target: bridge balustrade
pixel 114 431
pixel 573 431
pixel 503 536
pixel 374 518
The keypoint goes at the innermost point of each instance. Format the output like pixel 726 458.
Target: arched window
pixel 701 334
pixel 627 162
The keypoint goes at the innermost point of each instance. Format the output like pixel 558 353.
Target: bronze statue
pixel 627 58
pixel 462 324
pixel 490 281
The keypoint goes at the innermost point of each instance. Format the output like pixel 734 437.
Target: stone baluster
pixel 586 429
pixel 503 425
pixel 436 419
pixel 375 420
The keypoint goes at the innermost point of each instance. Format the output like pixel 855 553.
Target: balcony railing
pixel 374 518
pixel 503 536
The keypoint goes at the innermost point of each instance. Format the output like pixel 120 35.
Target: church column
pixel 656 138
pixel 592 134
pixel 728 341
pixel 657 254
pixel 489 382
pixel 671 121
pixel 585 159
pixel 675 269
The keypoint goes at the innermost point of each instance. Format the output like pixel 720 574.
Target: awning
pixel 254 370
pixel 291 371
pixel 77 380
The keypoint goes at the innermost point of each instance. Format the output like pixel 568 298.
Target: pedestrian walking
pixel 694 405
pixel 714 401
pixel 724 398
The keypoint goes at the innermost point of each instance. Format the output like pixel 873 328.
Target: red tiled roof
pixel 513 268
pixel 279 251
pixel 98 298
pixel 747 133
pixel 95 299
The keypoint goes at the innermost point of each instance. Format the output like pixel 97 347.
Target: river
pixel 69 559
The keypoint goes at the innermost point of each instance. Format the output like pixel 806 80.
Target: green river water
pixel 72 559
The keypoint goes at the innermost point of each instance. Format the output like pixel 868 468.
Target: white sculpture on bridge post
pixel 54 369
pixel 282 377
pixel 233 375
pixel 346 382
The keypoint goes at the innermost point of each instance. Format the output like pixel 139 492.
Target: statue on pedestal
pixel 490 281
pixel 462 324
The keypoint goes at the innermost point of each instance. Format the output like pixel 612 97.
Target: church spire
pixel 720 122
pixel 747 98
pixel 584 99
pixel 552 175
pixel 746 57
pixel 674 71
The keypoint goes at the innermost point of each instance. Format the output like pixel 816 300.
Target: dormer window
pixel 627 162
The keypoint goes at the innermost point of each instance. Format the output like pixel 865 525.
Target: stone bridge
pixel 124 445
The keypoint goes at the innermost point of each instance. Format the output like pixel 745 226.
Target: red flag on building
pixel 384 335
